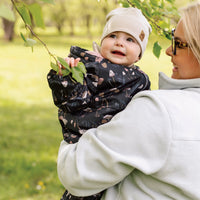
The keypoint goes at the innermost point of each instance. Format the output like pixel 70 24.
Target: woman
pixel 151 150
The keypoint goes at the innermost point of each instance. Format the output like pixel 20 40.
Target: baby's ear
pixel 96 47
pixel 138 58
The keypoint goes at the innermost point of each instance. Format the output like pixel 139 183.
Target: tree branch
pixel 33 33
pixel 153 22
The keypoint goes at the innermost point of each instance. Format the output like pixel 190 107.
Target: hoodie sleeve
pixel 103 157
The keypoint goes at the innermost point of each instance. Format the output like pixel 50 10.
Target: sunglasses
pixel 176 43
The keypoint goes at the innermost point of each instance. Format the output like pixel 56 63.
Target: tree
pixel 160 13
pixel 73 13
pixel 100 12
pixel 58 14
pixel 30 9
pixel 8 20
pixel 8 27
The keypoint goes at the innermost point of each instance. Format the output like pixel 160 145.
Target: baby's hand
pixel 72 62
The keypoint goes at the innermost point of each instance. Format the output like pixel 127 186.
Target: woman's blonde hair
pixel 191 22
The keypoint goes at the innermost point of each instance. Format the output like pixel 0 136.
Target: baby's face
pixel 120 48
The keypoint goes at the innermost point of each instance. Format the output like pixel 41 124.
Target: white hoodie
pixel 150 150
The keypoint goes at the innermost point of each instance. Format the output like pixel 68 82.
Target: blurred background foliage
pixel 69 14
pixel 29 129
pixel 63 15
pixel 85 14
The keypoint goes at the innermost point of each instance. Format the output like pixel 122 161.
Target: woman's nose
pixel 169 51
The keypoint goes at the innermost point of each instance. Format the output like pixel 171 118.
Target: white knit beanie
pixel 129 20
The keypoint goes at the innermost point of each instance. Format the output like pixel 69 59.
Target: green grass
pixel 29 129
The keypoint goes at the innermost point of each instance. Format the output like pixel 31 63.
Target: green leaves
pixel 6 13
pixel 23 10
pixel 36 11
pixel 31 15
pixel 157 49
pixel 28 42
pixel 33 10
pixel 66 71
pixel 48 1
pixel 64 63
pixel 77 72
pixel 54 67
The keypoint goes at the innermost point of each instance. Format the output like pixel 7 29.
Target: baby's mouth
pixel 118 53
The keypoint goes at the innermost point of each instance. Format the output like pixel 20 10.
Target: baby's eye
pixel 130 39
pixel 112 36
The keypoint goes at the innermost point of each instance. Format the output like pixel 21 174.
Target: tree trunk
pixel 8 27
pixel 71 28
pixel 88 19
